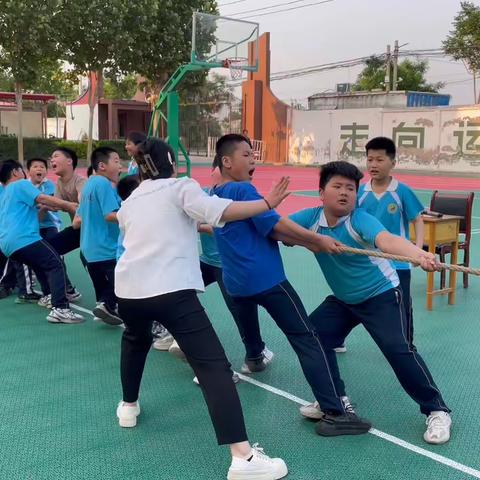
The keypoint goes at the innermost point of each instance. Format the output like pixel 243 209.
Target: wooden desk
pixel 440 231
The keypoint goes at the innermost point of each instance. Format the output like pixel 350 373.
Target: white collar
pixel 322 221
pixel 392 186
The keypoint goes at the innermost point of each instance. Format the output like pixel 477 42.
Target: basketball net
pixel 236 65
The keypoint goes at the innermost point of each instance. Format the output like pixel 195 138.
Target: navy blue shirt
pixel 251 260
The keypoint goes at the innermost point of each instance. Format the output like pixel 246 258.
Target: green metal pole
pixel 173 127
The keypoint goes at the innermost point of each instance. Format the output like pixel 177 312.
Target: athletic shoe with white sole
pixel 107 315
pixel 45 301
pixel 163 342
pixel 438 428
pixel 340 349
pixel 64 315
pixel 176 351
pixel 258 467
pixel 313 411
pixel 74 295
pixel 252 366
pixel 127 414
pixel 28 298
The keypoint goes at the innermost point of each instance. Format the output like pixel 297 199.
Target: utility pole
pixel 395 66
pixel 388 68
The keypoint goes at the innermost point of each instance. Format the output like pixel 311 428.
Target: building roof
pixel 34 97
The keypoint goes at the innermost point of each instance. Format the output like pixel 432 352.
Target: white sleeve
pixel 200 206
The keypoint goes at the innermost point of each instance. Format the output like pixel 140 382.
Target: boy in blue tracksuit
pixel 366 291
pixel 395 205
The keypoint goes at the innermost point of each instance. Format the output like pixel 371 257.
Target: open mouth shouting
pixel 251 172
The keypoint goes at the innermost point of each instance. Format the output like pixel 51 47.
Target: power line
pixel 265 8
pixel 285 9
pixel 231 3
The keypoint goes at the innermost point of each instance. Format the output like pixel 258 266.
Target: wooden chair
pixel 461 205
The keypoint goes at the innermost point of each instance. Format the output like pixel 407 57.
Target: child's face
pixel 131 148
pixel 339 196
pixel 240 165
pixel 60 163
pixel 37 172
pixel 112 168
pixel 379 164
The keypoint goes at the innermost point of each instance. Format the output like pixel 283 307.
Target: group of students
pixel 138 240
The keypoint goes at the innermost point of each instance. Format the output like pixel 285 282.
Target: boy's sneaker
pixel 340 349
pixel 127 414
pixel 107 315
pixel 252 366
pixel 5 292
pixel 45 301
pixel 163 341
pixel 313 411
pixel 438 428
pixel 64 315
pixel 235 379
pixel 73 295
pixel 28 298
pixel 258 467
pixel 176 351
pixel 345 424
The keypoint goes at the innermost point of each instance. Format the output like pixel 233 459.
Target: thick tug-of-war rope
pixel 399 258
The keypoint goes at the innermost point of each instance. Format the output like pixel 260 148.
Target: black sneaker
pixel 107 315
pixel 5 292
pixel 347 424
pixel 28 298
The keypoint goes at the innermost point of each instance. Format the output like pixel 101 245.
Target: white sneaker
pixel 259 467
pixel 107 316
pixel 176 351
pixel 45 301
pixel 127 414
pixel 438 428
pixel 252 366
pixel 64 315
pixel 235 379
pixel 74 295
pixel 313 410
pixel 163 343
pixel 340 349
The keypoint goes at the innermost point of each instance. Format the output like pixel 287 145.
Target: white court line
pixel 385 436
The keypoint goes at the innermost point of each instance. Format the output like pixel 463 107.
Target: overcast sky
pixel 345 29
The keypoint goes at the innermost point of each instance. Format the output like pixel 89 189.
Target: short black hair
pixel 6 169
pixel 127 185
pixel 31 160
pixel 382 143
pixel 226 145
pixel 342 169
pixel 69 153
pixel 136 137
pixel 89 171
pixel 101 155
pixel 155 159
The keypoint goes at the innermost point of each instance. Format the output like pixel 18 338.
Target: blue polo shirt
pixel 395 209
pixel 210 254
pixel 50 219
pixel 98 238
pixel 352 278
pixel 18 217
pixel 250 259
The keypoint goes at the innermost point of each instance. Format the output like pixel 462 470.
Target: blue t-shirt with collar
pixel 250 259
pixel 50 219
pixel 98 238
pixel 395 209
pixel 210 254
pixel 19 225
pixel 352 278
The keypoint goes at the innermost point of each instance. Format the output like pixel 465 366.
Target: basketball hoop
pixel 236 65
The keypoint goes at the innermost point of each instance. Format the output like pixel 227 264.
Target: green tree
pixel 119 87
pixel 26 46
pixel 411 76
pixel 463 42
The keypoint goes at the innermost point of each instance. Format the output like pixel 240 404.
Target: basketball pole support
pixel 169 96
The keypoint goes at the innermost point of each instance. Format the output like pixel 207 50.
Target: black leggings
pixel 184 317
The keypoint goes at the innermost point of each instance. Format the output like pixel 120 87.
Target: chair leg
pixel 466 262
pixel 443 273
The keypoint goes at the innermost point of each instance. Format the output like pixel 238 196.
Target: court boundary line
pixel 373 431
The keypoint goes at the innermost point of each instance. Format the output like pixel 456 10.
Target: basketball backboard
pixel 224 42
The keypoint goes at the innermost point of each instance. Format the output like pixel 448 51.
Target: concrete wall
pixel 32 123
pixel 56 129
pixel 429 139
pixel 77 122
